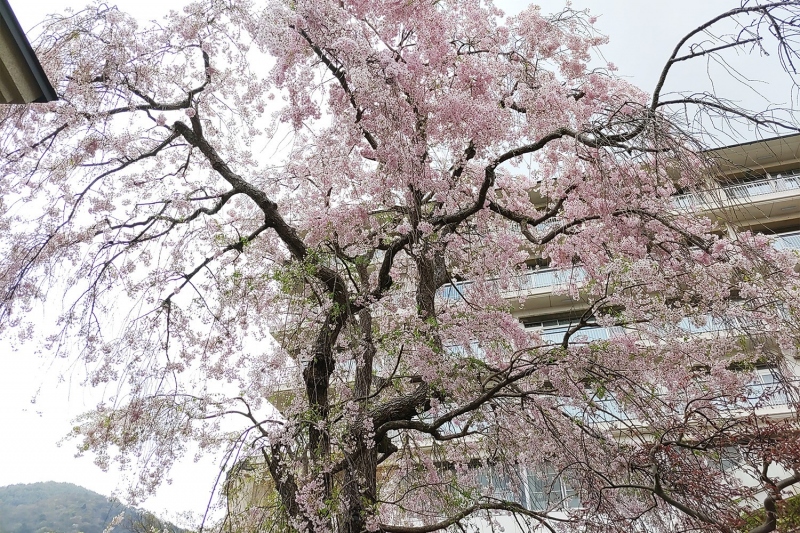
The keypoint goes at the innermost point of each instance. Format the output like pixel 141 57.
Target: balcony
pixel 780 183
pixel 541 283
pixel 767 392
pixel 770 199
pixel 544 280
pixel 547 279
pixel 551 277
pixel 555 336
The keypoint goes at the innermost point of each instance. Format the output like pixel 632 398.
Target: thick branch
pixel 770 507
pixel 341 77
pixel 271 216
pixel 674 58
pixel 457 518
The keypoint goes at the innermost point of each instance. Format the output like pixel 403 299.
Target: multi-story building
pixel 757 189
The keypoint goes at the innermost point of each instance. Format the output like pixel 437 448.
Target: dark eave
pixel 22 79
pixel 758 157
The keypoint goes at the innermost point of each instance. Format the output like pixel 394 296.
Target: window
pixel 766 388
pixel 539 488
pixel 729 459
pixel 548 490
pixel 504 484
pixel 553 330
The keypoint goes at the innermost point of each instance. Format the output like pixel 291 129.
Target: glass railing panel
pixel 534 279
pixel 605 409
pixel 537 279
pixel 783 182
pixel 708 324
pixel 746 190
pixel 453 291
pixel 687 201
pixel 787 241
pixel 583 335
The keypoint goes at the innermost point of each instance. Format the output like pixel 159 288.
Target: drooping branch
pixel 237 246
pixel 659 491
pixel 340 75
pixel 759 119
pixel 172 222
pixel 763 9
pixel 33 254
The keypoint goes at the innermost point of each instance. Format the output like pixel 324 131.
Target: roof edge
pixel 25 48
pixel 748 143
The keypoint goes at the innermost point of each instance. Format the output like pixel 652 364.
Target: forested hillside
pixel 67 508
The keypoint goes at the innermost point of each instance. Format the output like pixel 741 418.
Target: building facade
pixel 756 190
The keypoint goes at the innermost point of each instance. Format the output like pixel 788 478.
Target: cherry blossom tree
pixel 366 183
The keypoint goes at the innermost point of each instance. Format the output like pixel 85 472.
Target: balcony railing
pixel 763 392
pixel 584 335
pixel 537 279
pixel 553 277
pixel 762 187
pixel 531 280
pixel 787 241
pixel 783 182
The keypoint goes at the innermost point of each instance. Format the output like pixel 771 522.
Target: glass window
pixel 766 384
pixel 504 484
pixel 729 459
pixel 548 490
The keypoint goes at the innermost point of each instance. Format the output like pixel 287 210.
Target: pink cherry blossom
pixel 432 261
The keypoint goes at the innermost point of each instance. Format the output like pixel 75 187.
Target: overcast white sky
pixel 642 32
